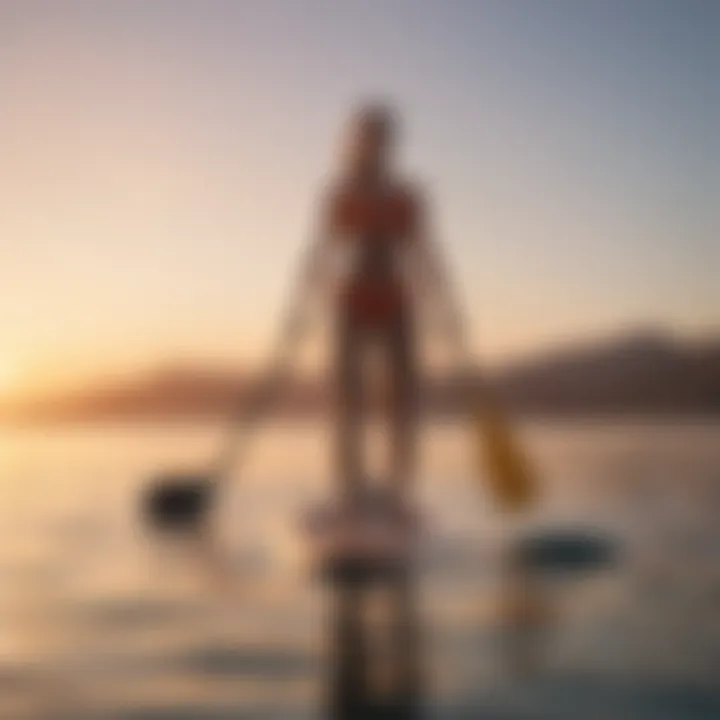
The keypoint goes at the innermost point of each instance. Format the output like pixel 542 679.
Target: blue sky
pixel 162 160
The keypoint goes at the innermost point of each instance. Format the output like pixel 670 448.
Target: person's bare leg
pixel 403 409
pixel 349 411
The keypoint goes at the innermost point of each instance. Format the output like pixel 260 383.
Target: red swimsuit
pixel 374 294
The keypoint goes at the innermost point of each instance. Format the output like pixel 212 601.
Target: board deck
pixel 362 543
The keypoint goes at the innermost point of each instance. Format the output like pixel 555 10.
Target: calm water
pixel 101 620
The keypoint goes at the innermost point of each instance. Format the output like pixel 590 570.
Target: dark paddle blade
pixel 567 551
pixel 177 501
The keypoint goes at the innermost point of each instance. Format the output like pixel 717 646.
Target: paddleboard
pixel 365 542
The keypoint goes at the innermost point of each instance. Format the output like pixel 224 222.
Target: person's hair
pixel 376 118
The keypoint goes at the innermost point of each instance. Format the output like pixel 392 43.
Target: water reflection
pixel 100 629
pixel 375 665
pixel 201 556
pixel 526 615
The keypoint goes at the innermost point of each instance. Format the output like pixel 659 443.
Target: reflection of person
pixel 378 220
pixel 359 649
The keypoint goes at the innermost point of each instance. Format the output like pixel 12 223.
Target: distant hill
pixel 639 373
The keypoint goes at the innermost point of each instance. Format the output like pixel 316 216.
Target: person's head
pixel 372 131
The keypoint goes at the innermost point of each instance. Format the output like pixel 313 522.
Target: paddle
pixel 507 468
pixel 500 459
pixel 497 452
pixel 181 500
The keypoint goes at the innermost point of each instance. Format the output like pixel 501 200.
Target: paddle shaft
pixel 250 408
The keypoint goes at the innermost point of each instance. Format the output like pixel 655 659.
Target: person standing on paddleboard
pixel 391 272
pixel 378 221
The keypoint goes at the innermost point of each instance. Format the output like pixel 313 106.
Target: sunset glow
pixel 162 162
pixel 9 378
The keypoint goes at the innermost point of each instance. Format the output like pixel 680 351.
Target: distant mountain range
pixel 638 373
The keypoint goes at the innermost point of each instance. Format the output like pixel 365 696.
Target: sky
pixel 160 164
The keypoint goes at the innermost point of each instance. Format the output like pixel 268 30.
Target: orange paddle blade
pixel 502 462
